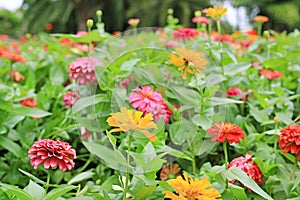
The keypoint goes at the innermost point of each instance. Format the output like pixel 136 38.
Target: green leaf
pixel 221 101
pixel 89 101
pixel 112 139
pixel 80 177
pixel 203 121
pixel 274 63
pixel 15 191
pixel 128 65
pixel 238 192
pixel 235 68
pixel 35 190
pixel 241 176
pixel 35 179
pixel 56 74
pixel 11 146
pixel 58 192
pixel 174 152
pixel 144 192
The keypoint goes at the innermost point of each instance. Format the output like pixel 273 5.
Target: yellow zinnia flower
pixel 188 61
pixel 216 12
pixel 126 120
pixel 189 189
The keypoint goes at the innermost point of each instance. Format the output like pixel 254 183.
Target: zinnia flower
pixel 289 140
pixel 270 74
pixel 16 76
pixel 261 19
pixel 133 22
pixel 226 131
pixel 201 19
pixel 188 61
pixel 160 110
pixel 189 189
pixel 248 166
pixel 29 102
pixel 49 27
pixel 216 12
pixel 126 121
pixel 236 92
pixel 50 153
pixel 70 98
pixel 169 171
pixel 184 34
pixel 144 98
pixel 83 70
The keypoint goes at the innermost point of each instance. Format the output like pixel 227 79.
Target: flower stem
pixel 294 169
pixel 127 170
pixel 225 154
pixel 219 33
pixel 259 28
pixel 48 181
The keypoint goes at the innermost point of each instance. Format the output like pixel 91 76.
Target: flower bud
pixel 170 11
pixel 276 119
pixel 266 34
pixel 197 13
pixel 89 23
pixel 99 13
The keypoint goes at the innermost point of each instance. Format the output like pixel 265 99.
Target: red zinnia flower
pixel 249 166
pixel 83 70
pixel 184 34
pixel 270 74
pixel 49 27
pixel 70 98
pixel 226 131
pixel 29 102
pixel 52 154
pixel 289 140
pixel 236 92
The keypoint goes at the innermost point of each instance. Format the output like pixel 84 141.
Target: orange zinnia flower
pixel 188 61
pixel 126 120
pixel 189 189
pixel 289 140
pixel 226 131
pixel 216 12
pixel 169 171
pixel 261 19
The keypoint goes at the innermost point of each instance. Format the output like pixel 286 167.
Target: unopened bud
pixel 89 23
pixel 197 13
pixel 170 11
pixel 266 34
pixel 99 13
pixel 276 119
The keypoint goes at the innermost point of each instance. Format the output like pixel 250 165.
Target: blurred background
pixel 18 17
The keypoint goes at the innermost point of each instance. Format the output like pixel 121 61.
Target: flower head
pixel 29 102
pixel 191 189
pixel 49 27
pixel 169 171
pixel 216 12
pixel 52 153
pixel 270 74
pixel 127 120
pixel 83 70
pixel 185 34
pixel 226 131
pixel 261 19
pixel 188 61
pixel 248 166
pixel 161 110
pixel 70 98
pixel 133 22
pixel 289 140
pixel 236 92
pixel 16 76
pixel 144 98
pixel 201 19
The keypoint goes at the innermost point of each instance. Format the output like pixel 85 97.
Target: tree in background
pixel 10 23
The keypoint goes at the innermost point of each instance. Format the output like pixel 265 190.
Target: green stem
pixel 127 171
pixel 85 165
pixel 259 28
pixel 226 158
pixel 48 181
pixel 219 33
pixel 294 169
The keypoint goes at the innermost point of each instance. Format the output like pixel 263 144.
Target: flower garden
pixel 151 113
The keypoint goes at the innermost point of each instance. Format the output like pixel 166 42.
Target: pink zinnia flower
pixel 201 19
pixel 236 92
pixel 184 34
pixel 70 98
pixel 83 70
pixel 248 166
pixel 161 111
pixel 144 98
pixel 52 153
pixel 171 44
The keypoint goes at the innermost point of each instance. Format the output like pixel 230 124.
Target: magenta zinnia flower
pixel 161 111
pixel 83 70
pixel 248 166
pixel 184 34
pixel 236 92
pixel 144 98
pixel 52 153
pixel 70 98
